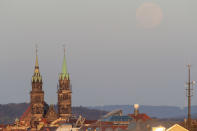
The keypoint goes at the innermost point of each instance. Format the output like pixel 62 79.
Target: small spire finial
pixel 36 46
pixel 36 77
pixel 64 46
pixel 36 64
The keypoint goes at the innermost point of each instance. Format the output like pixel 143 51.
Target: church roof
pixel 26 116
pixel 51 114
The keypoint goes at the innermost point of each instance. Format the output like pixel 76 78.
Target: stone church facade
pixel 39 111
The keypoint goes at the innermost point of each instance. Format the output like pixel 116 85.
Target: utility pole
pixel 189 95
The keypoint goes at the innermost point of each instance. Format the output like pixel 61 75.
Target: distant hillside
pixel 90 114
pixel 9 112
pixel 162 112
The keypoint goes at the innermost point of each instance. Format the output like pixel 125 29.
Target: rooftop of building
pixel 140 116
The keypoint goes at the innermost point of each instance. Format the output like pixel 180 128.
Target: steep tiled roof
pixel 142 117
pixel 26 114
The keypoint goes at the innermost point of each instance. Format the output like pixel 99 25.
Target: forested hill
pixel 9 112
pixel 161 112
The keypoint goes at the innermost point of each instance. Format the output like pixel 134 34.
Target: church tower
pixel 37 94
pixel 64 92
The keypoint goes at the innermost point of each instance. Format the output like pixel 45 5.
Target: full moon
pixel 149 15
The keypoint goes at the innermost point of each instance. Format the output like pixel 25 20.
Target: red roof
pixel 90 121
pixel 2 126
pixel 26 113
pixel 142 117
pixel 44 120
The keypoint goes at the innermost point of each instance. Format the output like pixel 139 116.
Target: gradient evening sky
pixel 111 59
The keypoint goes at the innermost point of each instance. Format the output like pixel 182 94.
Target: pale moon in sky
pixel 149 15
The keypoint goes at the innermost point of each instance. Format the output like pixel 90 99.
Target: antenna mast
pixel 189 95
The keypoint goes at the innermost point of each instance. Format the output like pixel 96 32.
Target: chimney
pixel 136 109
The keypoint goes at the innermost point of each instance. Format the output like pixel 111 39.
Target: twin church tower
pixel 37 103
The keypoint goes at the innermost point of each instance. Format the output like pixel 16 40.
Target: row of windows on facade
pixel 64 97
pixel 37 110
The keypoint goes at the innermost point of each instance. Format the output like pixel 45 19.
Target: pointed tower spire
pixel 36 64
pixel 36 77
pixel 64 73
pixel 64 66
pixel 36 56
